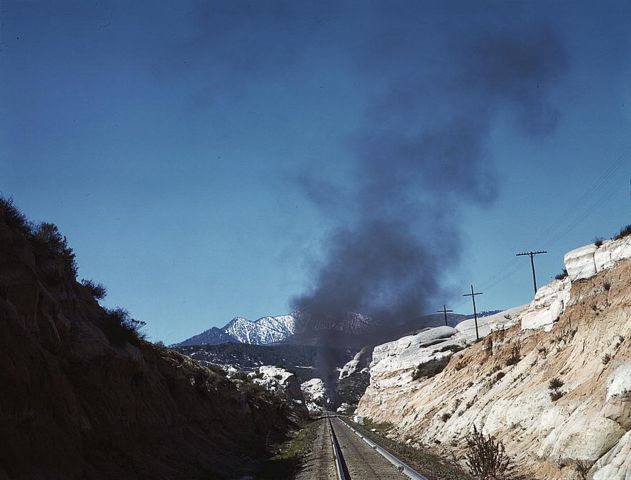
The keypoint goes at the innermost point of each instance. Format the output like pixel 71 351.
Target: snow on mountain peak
pixel 263 331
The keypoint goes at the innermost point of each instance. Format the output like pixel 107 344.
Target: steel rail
pixel 337 454
pixel 400 464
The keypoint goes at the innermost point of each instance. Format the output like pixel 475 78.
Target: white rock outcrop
pixel 393 362
pixel 277 379
pixel 619 384
pixel 616 464
pixel 548 305
pixel 358 362
pixel 587 261
pixel 315 394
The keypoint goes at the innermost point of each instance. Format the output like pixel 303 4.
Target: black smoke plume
pixel 424 150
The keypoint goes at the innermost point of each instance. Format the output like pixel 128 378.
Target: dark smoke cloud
pixel 423 151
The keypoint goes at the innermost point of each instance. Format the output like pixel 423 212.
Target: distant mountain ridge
pixel 283 328
pixel 263 331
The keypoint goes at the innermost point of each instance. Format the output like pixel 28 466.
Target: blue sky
pixel 171 141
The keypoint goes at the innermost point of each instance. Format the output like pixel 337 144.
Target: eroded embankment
pixel 504 384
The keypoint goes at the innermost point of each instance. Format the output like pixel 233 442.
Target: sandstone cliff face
pixel 75 406
pixel 578 331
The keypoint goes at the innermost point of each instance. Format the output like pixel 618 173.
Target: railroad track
pixel 352 456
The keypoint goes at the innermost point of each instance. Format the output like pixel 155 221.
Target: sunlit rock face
pixel 576 330
pixel 587 261
pixel 548 304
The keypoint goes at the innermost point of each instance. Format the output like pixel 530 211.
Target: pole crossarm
pixel 532 264
pixel 445 311
pixel 538 252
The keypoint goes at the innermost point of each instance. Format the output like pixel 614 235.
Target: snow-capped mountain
pixel 263 331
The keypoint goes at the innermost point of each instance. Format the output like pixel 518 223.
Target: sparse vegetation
pixel 606 358
pixel 48 236
pixel 562 275
pixel 607 286
pixel 218 370
pixel 120 328
pixel 556 394
pixel 542 350
pixel 10 215
pixel 555 386
pixel 495 369
pixel 598 241
pixel 451 348
pixel 97 290
pixel 445 416
pixel 240 375
pixel 430 369
pixel 486 457
pixel 624 232
pixel 287 462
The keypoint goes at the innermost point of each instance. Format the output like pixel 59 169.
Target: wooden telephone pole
pixel 445 312
pixel 532 264
pixel 475 312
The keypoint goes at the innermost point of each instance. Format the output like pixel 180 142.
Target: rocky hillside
pixel 551 380
pixel 83 395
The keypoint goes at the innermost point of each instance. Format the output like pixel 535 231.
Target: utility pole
pixel 532 264
pixel 475 312
pixel 445 311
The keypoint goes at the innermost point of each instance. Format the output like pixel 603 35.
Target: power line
pixel 580 209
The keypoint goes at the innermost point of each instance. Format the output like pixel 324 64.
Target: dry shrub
pixel 486 457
